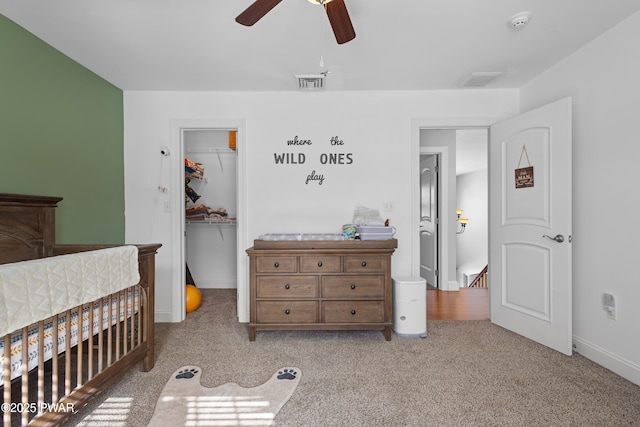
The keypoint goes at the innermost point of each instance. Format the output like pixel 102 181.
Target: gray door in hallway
pixel 429 218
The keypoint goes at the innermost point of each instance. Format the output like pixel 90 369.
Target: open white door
pixel 530 225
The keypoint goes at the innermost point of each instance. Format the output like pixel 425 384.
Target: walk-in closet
pixel 210 162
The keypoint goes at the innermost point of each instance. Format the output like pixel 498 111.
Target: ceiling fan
pixel 336 11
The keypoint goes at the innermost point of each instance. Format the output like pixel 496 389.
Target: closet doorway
pixel 209 209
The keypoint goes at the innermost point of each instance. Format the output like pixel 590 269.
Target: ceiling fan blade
pixel 340 21
pixel 257 10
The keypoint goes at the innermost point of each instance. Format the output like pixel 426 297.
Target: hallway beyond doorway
pixel 465 304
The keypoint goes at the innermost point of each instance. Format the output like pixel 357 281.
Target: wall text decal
pixel 297 141
pixel 314 177
pixel 328 158
pixel 289 158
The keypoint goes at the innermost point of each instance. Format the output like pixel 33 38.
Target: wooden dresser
pixel 320 285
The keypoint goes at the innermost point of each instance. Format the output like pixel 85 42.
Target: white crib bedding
pixel 126 311
pixel 39 289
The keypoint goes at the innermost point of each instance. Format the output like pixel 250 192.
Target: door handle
pixel 558 237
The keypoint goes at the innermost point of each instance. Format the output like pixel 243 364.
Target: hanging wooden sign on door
pixel 524 176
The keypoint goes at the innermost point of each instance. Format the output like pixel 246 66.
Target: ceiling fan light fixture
pixel 320 2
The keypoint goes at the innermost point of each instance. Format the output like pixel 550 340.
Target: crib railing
pixel 58 363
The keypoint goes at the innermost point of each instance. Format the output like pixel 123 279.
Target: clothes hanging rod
pixel 211 222
pixel 210 150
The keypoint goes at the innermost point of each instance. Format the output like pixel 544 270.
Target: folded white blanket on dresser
pixel 35 290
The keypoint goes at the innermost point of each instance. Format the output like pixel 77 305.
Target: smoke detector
pixel 519 20
pixel 311 81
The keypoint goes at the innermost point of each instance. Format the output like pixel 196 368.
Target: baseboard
pixel 612 362
pixel 216 284
pixel 453 285
pixel 163 317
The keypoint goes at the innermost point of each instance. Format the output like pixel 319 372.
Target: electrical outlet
pixel 611 313
pixel 388 206
pixel 609 305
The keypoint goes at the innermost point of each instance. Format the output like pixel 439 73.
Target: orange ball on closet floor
pixel 193 298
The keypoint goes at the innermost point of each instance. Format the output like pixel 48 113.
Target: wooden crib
pixel 76 353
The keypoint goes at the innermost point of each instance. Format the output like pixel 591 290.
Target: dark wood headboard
pixel 27 226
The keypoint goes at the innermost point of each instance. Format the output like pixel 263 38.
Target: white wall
pixel 602 79
pixel 376 128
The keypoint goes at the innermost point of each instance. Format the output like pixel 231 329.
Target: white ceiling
pixel 400 44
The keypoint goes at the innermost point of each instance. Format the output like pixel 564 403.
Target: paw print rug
pixel 184 401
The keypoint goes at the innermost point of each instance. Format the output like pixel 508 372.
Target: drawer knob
pixel 276 265
pixel 319 263
pixel 364 263
pixel 353 312
pixel 287 311
pixel 353 286
pixel 287 286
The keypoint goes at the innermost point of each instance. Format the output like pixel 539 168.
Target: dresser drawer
pixel 361 286
pixel 364 264
pixel 277 264
pixel 287 311
pixel 352 311
pixel 286 286
pixel 320 264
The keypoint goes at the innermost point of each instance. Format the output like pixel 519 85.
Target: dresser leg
pixel 252 333
pixel 387 333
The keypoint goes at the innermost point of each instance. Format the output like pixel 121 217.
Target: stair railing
pixel 481 279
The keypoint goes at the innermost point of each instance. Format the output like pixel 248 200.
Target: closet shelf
pixel 217 151
pixel 210 150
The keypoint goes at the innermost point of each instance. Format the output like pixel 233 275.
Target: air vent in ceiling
pixel 310 81
pixel 480 78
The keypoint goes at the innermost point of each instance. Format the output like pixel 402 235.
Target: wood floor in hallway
pixel 465 304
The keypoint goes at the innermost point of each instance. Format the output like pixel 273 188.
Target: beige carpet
pixel 184 401
pixel 465 373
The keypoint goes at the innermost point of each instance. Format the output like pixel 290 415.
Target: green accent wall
pixel 61 134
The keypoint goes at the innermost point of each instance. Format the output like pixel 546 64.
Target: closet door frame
pixel 178 226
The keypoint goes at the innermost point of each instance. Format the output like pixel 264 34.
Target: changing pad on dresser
pixel 301 236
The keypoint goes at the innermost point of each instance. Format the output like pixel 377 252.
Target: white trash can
pixel 410 307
